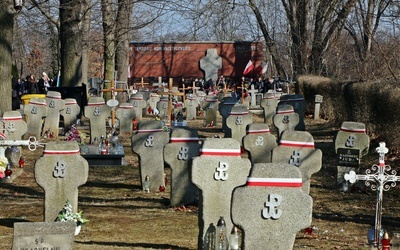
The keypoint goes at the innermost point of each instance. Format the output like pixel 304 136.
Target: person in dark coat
pixel 14 94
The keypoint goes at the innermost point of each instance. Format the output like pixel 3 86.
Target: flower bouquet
pixel 66 214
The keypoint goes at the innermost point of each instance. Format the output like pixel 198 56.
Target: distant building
pixel 182 59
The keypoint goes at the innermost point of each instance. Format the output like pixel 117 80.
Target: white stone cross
pixel 381 178
pixel 253 92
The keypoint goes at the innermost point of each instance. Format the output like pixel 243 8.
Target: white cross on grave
pixel 253 92
pixel 381 178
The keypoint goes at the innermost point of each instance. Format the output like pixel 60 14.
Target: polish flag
pixel 249 68
pixel 265 68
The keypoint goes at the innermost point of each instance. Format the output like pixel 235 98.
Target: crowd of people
pixel 29 85
pixel 262 84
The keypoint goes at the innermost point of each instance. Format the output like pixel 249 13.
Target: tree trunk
pixel 122 34
pixel 7 14
pixel 109 43
pixel 86 40
pixel 71 14
pixel 268 40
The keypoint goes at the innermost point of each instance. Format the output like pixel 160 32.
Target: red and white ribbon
pixel 259 131
pixel 96 103
pixel 61 152
pixel 71 103
pixel 10 118
pixel 126 107
pixel 38 103
pixel 220 152
pixel 137 98
pixel 184 139
pixel 239 113
pixel 300 144
pixel 285 111
pixel 54 97
pixel 274 182
pixel 354 130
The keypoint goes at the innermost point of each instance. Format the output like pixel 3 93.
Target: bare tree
pixel 7 16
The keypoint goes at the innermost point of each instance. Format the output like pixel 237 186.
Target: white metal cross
pixel 381 178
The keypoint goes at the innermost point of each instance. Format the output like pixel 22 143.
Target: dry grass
pixel 123 217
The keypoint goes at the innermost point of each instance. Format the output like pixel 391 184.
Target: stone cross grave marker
pixel 238 120
pixel 55 105
pixel 191 104
pixel 259 142
pixel 60 171
pixel 285 118
pixel 43 235
pixel 35 111
pixel 297 148
pixel 139 105
pixel 271 208
pixel 210 107
pixel 125 114
pixel 152 103
pixel 299 106
pixel 70 112
pixel 216 172
pixel 211 63
pixel 148 143
pixel 178 154
pixel 224 108
pixel 97 112
pixel 145 92
pixel 253 93
pixel 351 144
pixel 380 178
pixel 14 126
pixel 162 106
pixel 318 101
pixel 269 104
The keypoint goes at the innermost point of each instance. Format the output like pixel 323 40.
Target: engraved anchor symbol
pixel 183 153
pixel 59 170
pixel 350 141
pixel 221 173
pixel 285 119
pixel 34 110
pixel 295 158
pixel 52 104
pixel 96 111
pixel 11 127
pixel 239 120
pixel 271 210
pixel 149 141
pixel 260 141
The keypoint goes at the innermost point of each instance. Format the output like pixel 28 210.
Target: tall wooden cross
pixel 170 94
pixel 381 178
pixel 112 102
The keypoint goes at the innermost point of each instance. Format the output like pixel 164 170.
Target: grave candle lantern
pixel 21 162
pixel 147 184
pixel 14 155
pixel 234 239
pixel 8 171
pixel 220 236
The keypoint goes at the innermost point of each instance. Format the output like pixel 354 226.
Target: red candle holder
pixel 8 172
pixel 21 162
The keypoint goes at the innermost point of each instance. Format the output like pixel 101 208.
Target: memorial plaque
pixel 43 235
pixel 348 157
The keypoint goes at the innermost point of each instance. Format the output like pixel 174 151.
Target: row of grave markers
pixel 274 194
